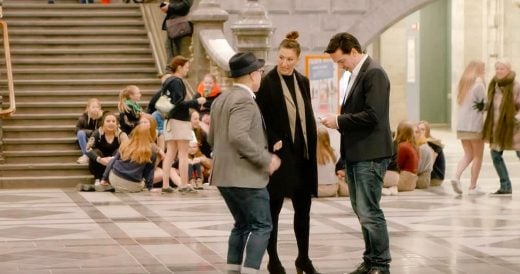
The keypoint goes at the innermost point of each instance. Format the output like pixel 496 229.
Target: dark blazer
pixel 271 101
pixel 177 8
pixel 364 120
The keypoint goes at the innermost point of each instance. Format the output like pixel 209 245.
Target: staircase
pixel 62 54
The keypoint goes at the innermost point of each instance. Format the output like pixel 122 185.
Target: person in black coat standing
pixel 285 102
pixel 366 144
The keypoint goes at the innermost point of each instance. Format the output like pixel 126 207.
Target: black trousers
pixel 301 200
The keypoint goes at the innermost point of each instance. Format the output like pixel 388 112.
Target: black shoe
pixel 275 267
pixel 361 269
pixel 305 266
pixel 502 193
pixel 378 271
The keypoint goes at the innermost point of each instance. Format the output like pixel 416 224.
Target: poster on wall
pixel 324 77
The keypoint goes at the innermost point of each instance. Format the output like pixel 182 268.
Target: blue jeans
pixel 82 141
pixel 250 210
pixel 365 181
pixel 160 122
pixel 500 167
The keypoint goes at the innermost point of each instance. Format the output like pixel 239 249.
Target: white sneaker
pixel 393 190
pixel 83 159
pixel 385 191
pixel 97 182
pixel 456 186
pixel 476 191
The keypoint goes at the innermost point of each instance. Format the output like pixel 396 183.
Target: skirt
pixel 178 130
pixel 468 135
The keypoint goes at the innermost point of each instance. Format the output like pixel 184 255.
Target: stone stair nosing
pixel 64 181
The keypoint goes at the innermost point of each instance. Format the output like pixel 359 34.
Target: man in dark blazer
pixel 242 163
pixel 284 99
pixel 366 144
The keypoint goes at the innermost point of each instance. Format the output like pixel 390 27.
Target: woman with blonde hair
pixel 407 156
pixel 502 120
pixel 133 165
pixel 327 179
pixel 177 129
pixel 129 108
pixel 471 99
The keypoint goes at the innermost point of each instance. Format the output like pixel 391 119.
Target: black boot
pixel 275 267
pixel 305 265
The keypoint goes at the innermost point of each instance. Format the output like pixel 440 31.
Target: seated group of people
pixel 418 162
pixel 124 150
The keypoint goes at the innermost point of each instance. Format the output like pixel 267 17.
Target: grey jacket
pixel 237 135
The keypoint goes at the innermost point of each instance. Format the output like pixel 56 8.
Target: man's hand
pixel 329 120
pixel 341 174
pixel 164 8
pixel 275 164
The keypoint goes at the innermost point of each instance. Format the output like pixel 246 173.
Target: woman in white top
pixel 471 102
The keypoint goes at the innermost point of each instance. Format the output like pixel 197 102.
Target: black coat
pixel 177 8
pixel 364 120
pixel 271 101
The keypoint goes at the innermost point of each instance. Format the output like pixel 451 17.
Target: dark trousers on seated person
pixel 250 233
pixel 365 180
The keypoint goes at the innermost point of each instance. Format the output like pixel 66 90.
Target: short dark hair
pixel 344 41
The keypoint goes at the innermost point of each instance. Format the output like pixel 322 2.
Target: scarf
pixel 291 108
pixel 505 127
pixel 133 106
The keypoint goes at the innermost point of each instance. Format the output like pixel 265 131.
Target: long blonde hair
pixel 124 94
pixel 473 70
pixel 138 148
pixel 324 153
pixel 405 133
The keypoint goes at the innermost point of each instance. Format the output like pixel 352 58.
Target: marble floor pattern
pixel 431 231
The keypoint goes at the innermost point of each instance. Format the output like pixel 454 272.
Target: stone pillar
pixel 207 15
pixel 2 160
pixel 253 30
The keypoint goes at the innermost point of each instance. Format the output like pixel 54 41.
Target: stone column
pixel 253 30
pixel 207 15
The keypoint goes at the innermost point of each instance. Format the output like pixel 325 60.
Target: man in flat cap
pixel 242 163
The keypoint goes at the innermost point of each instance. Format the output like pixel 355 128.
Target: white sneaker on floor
pixel 393 190
pixel 385 191
pixel 456 186
pixel 476 191
pixel 83 159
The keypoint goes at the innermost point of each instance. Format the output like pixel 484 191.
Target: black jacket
pixel 177 94
pixel 271 101
pixel 177 8
pixel 364 120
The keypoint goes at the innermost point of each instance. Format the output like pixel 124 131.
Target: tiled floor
pixel 431 231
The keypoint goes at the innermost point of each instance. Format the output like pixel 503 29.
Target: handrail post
pixel 2 160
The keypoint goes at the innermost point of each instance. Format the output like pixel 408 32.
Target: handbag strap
pixel 166 84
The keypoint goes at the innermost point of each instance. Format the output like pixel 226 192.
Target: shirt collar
pixel 246 88
pixel 356 70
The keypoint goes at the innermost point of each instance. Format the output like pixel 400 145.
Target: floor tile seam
pixel 463 248
pixel 167 225
pixel 74 196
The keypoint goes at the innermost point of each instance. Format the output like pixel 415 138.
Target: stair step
pixel 40 167
pixel 41 156
pixel 79 22
pixel 75 92
pixel 70 128
pixel 84 51
pixel 81 41
pixel 44 169
pixel 40 153
pixel 76 70
pixel 19 31
pixel 78 60
pixel 88 13
pixel 62 140
pixel 45 181
pixel 88 82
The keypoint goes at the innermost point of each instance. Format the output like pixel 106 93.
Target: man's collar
pixel 246 88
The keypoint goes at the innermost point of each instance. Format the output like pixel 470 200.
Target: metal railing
pixel 9 71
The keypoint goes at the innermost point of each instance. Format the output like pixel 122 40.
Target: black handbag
pixel 178 27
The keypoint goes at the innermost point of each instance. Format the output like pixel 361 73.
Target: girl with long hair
pixel 133 165
pixel 129 108
pixel 471 99
pixel 407 156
